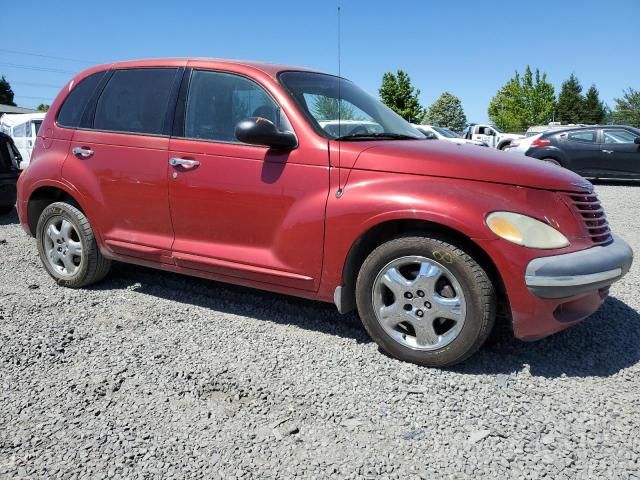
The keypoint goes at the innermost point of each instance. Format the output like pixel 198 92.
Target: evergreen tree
pixel 571 101
pixel 397 93
pixel 43 107
pixel 6 94
pixel 447 112
pixel 594 110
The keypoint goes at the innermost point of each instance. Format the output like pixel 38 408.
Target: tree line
pixel 525 100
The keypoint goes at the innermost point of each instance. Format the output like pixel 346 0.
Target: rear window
pixel 135 101
pixel 71 112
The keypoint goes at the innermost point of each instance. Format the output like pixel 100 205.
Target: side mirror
pixel 260 131
pixel 636 140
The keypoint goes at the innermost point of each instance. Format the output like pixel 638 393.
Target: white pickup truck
pixel 490 135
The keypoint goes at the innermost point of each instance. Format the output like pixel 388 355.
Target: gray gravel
pixel 157 375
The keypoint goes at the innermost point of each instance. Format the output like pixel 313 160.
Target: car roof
pixel 271 69
pixel 586 127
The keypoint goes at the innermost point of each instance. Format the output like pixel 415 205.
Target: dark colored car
pixel 238 172
pixel 611 151
pixel 9 161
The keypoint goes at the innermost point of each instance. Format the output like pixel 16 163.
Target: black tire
pixel 504 145
pixel 5 209
pixel 552 161
pixel 478 290
pixel 93 265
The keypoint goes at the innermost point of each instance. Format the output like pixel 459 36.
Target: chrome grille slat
pixel 588 207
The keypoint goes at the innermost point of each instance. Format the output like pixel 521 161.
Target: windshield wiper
pixel 381 136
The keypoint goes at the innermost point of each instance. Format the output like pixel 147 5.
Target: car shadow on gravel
pixel 10 218
pixel 601 346
pixel 236 300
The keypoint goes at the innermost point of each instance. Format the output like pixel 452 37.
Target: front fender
pixel 372 198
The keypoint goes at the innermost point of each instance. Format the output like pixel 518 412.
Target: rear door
pixel 620 154
pixel 582 151
pixel 238 210
pixel 120 161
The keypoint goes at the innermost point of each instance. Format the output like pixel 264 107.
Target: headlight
pixel 525 231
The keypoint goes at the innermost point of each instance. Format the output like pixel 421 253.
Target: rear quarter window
pixel 71 111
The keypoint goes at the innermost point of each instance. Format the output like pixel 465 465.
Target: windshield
pixel 357 115
pixel 445 132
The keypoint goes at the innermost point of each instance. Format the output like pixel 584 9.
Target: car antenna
pixel 340 190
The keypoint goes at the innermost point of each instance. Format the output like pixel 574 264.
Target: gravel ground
pixel 152 374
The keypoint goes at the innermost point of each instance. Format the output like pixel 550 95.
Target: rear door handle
pixel 183 162
pixel 607 151
pixel 82 152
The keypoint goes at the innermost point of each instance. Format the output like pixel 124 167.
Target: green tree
pixel 397 93
pixel 43 107
pixel 6 94
pixel 523 101
pixel 446 111
pixel 570 101
pixel 627 110
pixel 594 111
pixel 326 108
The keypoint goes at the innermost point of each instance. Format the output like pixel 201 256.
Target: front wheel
pixel 68 248
pixel 425 301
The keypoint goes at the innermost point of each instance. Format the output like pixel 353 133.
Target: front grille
pixel 590 210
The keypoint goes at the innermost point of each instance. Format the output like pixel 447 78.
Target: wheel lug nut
pixel 420 293
pixel 427 305
pixel 419 313
pixel 408 295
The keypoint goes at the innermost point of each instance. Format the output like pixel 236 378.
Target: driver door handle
pixel 183 162
pixel 607 151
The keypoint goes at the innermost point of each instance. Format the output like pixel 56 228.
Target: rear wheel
pixel 425 301
pixel 553 161
pixel 68 248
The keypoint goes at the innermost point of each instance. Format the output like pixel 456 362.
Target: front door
pixel 239 210
pixel 620 153
pixel 120 163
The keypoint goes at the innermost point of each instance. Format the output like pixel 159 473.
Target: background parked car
pixel 23 128
pixel 9 160
pixel 490 135
pixel 611 151
pixel 441 133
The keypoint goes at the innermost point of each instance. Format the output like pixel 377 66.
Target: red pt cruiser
pixel 260 175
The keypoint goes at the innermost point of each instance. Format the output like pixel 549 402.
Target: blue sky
pixel 469 48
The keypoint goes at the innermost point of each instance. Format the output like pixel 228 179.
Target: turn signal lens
pixel 526 231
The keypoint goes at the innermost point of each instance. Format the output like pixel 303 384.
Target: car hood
pixel 468 162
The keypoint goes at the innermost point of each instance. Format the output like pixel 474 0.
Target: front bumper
pixel 576 273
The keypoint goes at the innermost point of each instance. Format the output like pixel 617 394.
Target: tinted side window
pixel 588 136
pixel 73 106
pixel 135 101
pixel 217 102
